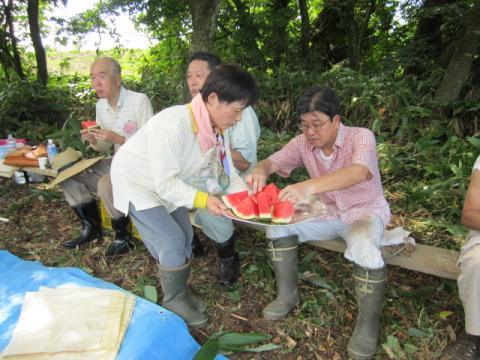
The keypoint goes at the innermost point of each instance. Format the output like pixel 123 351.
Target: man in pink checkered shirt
pixel 343 167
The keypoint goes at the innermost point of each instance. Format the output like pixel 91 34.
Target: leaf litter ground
pixel 420 315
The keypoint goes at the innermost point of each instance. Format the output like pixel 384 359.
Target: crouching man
pixel 343 168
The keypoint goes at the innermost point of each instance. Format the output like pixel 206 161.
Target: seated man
pixel 243 139
pixel 343 167
pixel 467 345
pixel 120 113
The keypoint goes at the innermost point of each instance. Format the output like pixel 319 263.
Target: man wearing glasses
pixel 343 167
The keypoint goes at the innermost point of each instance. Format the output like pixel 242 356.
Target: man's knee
pixel 104 187
pixel 471 261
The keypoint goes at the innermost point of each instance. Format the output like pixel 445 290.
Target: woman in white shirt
pixel 178 161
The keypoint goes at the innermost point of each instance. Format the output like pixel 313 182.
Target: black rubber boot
pixel 466 347
pixel 229 262
pixel 369 290
pixel 197 247
pixel 91 224
pixel 123 239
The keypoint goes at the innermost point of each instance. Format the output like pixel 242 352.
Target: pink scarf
pixel 205 135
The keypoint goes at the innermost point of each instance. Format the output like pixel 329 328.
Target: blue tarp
pixel 153 333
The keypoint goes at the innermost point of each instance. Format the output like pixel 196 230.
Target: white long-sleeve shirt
pixel 162 164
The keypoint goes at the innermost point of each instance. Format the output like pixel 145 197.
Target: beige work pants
pixel 469 288
pixel 96 179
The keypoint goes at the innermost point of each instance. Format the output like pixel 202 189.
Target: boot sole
pixel 73 246
pixel 357 356
pixel 268 316
pixel 275 316
pixel 199 324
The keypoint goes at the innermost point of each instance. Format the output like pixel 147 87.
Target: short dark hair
pixel 319 98
pixel 211 59
pixel 231 83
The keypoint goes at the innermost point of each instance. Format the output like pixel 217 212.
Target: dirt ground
pixel 420 314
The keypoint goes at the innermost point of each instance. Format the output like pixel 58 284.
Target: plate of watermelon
pixel 265 209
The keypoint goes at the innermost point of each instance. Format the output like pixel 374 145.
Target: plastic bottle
pixel 11 143
pixel 51 150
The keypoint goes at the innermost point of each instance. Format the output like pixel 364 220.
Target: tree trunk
pixel 279 41
pixel 17 63
pixel 204 22
pixel 40 56
pixel 304 28
pixel 460 65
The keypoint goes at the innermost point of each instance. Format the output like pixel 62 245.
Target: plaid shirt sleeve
pixel 364 149
pixel 289 157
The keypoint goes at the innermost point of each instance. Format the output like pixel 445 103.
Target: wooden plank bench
pixel 424 258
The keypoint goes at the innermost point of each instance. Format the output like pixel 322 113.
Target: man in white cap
pixel 119 114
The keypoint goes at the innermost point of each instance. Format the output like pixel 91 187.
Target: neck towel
pixel 205 134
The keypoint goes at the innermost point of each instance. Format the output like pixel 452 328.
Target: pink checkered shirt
pixel 353 146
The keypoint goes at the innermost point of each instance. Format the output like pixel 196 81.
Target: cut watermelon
pixel 233 199
pixel 272 192
pixel 282 212
pixel 246 209
pixel 87 124
pixel 264 206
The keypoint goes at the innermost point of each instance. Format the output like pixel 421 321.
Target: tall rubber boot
pixel 122 242
pixel 91 224
pixel 283 254
pixel 177 297
pixel 369 291
pixel 229 262
pixel 197 246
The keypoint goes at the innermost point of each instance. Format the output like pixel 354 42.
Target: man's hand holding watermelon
pixel 293 193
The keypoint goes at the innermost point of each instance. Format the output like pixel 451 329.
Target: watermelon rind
pixel 235 198
pixel 282 212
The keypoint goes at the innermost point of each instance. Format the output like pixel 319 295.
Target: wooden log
pixel 424 258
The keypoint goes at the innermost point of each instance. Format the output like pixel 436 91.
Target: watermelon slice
pixel 246 209
pixel 233 199
pixel 89 124
pixel 264 206
pixel 282 212
pixel 272 192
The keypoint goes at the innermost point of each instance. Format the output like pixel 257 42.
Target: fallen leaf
pixel 291 343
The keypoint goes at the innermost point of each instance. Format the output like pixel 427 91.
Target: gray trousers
pixel 167 236
pixel 96 179
pixel 217 228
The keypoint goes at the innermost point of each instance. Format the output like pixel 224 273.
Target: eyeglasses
pixel 315 127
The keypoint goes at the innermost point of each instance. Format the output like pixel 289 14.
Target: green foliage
pixel 232 342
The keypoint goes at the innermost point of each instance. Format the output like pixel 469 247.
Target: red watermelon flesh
pixel 282 212
pixel 246 209
pixel 264 206
pixel 272 192
pixel 88 124
pixel 232 200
